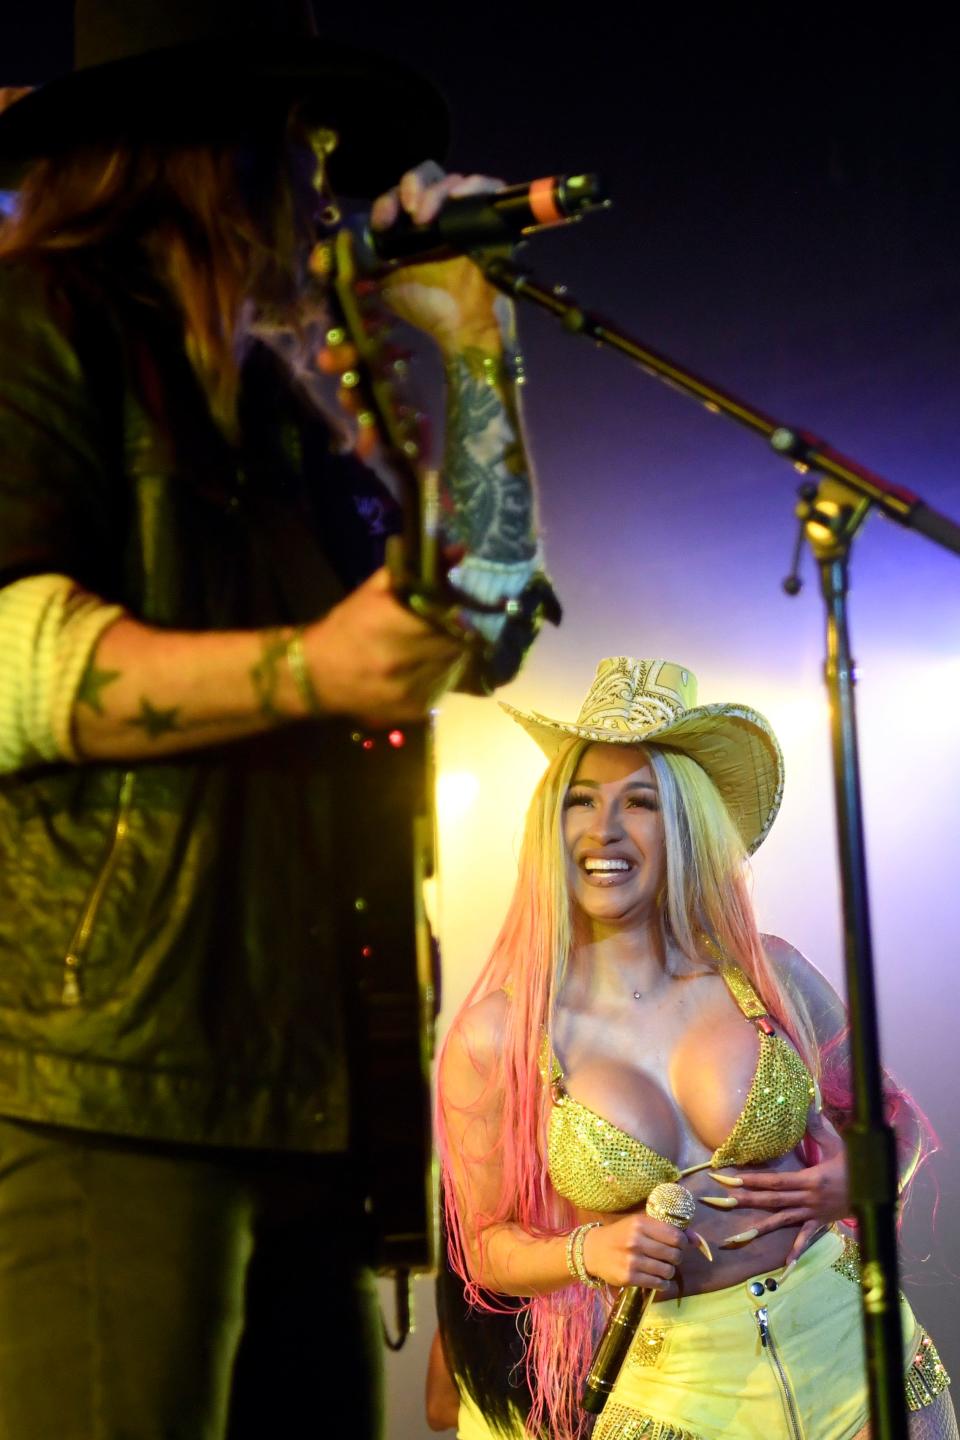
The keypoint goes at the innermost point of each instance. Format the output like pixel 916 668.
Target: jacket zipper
pixel 72 992
pixel 766 1340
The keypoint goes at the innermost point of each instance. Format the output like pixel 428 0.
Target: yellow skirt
pixel 769 1357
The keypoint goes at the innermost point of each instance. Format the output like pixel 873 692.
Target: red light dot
pixel 397 738
pixel 367 951
pixel 368 744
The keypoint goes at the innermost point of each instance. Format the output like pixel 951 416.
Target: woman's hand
pixel 812 1198
pixel 449 300
pixel 635 1250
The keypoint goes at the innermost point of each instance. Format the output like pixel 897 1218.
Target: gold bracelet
pixel 575 1262
pixel 302 678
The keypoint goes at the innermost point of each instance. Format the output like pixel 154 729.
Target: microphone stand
pixel 830 512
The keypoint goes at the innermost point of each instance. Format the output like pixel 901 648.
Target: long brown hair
pixel 224 228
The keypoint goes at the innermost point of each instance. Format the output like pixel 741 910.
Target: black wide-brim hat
pixel 207 71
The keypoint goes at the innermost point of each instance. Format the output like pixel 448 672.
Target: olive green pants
pixel 166 1293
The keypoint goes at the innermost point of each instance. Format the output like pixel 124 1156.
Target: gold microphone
pixel 674 1205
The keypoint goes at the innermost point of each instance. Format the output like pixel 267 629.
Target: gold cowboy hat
pixel 641 702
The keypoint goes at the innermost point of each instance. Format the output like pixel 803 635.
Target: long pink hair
pixel 706 893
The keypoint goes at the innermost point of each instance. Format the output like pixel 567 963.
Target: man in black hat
pixel 193 604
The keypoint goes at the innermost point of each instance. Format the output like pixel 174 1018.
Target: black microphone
pixel 675 1206
pixel 478 222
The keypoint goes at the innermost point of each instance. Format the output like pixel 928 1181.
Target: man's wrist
pixel 498 365
pixel 487 339
pixel 303 680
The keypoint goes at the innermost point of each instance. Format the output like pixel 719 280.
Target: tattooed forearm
pixel 156 691
pixel 155 721
pixel 486 472
pixel 265 675
pixel 92 684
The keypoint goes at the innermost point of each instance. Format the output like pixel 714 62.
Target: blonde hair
pixel 218 224
pixel 708 892
pixel 705 895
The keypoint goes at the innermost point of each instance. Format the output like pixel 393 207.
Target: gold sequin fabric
pixel 927 1375
pixel 618 1422
pixel 740 987
pixel 646 1348
pixel 774 1118
pixel 598 1166
pixel 848 1264
pixel 550 1070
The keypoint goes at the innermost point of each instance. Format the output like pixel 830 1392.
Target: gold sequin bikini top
pixel 597 1166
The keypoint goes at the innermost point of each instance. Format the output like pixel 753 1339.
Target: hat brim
pixel 733 743
pixel 389 118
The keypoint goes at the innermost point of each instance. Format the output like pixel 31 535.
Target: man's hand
pixel 449 300
pixel 372 658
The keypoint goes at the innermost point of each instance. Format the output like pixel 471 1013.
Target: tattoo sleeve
pixel 486 472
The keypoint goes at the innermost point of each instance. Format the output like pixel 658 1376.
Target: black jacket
pixel 169 964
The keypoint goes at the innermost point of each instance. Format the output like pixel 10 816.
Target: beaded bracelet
pixel 301 675
pixel 575 1243
pixel 497 371
pixel 571 1239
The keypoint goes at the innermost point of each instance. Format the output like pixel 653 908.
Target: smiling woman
pixel 613 834
pixel 632 1029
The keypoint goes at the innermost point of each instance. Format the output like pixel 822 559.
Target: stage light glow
pixel 457 792
pixel 797 716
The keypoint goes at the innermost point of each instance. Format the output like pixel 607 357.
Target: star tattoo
pixel 155 722
pixel 93 683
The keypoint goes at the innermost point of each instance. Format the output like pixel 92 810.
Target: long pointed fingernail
pixel 701 1245
pixel 730 1180
pixel 720 1202
pixel 740 1239
pixel 786 1270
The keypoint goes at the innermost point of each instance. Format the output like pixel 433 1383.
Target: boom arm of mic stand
pixel 799 447
pixel 847 494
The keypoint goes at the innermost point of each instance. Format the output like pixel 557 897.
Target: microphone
pixel 675 1206
pixel 476 222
